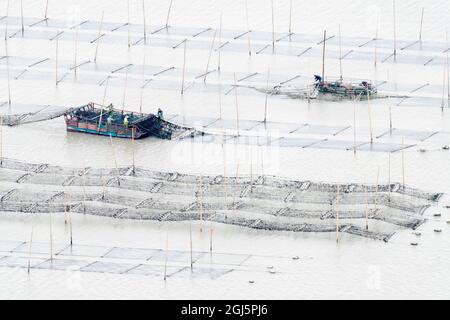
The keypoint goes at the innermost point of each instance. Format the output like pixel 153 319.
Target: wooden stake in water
pixel 354 126
pixel 337 214
pixel 76 52
pixel 444 79
pixel 236 100
pixel 56 58
pixel 209 56
pixel 128 23
pixel 390 109
pixel 323 54
pixel 421 27
pixel 267 96
pixel 29 250
pixel 143 82
pixel 395 31
pixel 125 90
pixel 21 17
pixel 389 176
pixel 403 162
pixel 340 54
pixel 6 24
pixel 290 19
pixel 184 66
pixel 370 115
pixel 51 238
pixel 143 16
pixel 115 160
pixel 7 74
pixel 220 42
pixel 367 205
pixel 133 132
pixel 376 189
pixel 1 139
pixel 46 10
pixel 168 14
pixel 273 29
pixel 248 29
pixel 190 244
pixel 167 253
pixel 98 36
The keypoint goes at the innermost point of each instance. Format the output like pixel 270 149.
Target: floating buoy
pixel 251 281
pixel 418 234
pixel 271 271
pixel 436 215
pixel 445 147
pixel 270 267
pixel 295 258
pixel 437 230
pixel 414 243
pixel 423 150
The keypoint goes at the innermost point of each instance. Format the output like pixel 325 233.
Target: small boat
pixel 417 234
pixel 96 119
pixel 437 215
pixel 341 89
pixel 414 244
pixel 438 230
pixel 295 258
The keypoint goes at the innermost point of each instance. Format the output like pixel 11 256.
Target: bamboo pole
pixel 248 29
pixel 323 54
pixel 273 29
pixel 403 162
pixel 267 96
pixel 448 72
pixel 220 42
pixel 128 23
pixel 143 82
pixel 143 16
pixel 377 187
pixel 209 56
pixel 444 78
pixel 6 24
pixel 337 214
pixel 8 75
pixel 167 253
pixel 370 115
pixel 76 52
pixel 220 98
pixel 56 58
pixel 115 160
pixel 190 244
pixel 133 130
pixel 103 104
pixel 46 10
pixel 184 67
pixel 1 140
pixel 290 19
pixel 29 251
pixel 367 204
pixel 340 53
pixel 354 126
pixel 421 27
pixel 236 100
pixel 390 109
pixel 389 177
pixel 98 36
pixel 21 18
pixel 51 237
pixel 168 14
pixel 125 90
pixel 395 31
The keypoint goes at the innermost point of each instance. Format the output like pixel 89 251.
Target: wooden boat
pixel 96 119
pixel 341 89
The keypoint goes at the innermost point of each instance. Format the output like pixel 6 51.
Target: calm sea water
pixel 354 268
